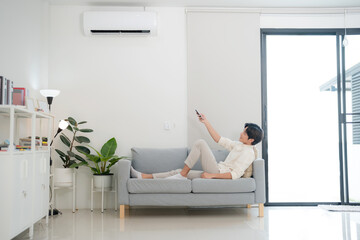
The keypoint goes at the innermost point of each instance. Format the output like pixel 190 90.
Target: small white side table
pixel 103 190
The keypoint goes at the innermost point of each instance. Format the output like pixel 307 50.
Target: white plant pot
pixel 102 179
pixel 63 177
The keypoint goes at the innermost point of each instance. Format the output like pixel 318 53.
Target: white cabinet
pixel 41 185
pixel 28 191
pixel 22 192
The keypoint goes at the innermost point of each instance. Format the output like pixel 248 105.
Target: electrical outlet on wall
pixel 168 125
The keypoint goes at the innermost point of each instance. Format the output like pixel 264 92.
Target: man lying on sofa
pixel 241 156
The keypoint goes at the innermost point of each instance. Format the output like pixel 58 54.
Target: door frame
pixel 341 93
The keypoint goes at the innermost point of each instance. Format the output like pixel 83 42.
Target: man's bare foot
pixel 184 172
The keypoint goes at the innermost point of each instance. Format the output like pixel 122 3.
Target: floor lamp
pixel 62 125
pixel 50 94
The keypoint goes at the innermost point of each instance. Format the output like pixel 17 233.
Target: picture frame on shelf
pixel 19 96
pixel 43 106
pixel 31 104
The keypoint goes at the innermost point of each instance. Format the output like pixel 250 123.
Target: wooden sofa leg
pixel 122 211
pixel 261 209
pixel 248 205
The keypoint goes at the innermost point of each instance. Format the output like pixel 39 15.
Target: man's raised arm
pixel 210 128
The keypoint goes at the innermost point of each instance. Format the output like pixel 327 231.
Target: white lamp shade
pixel 63 124
pixel 49 92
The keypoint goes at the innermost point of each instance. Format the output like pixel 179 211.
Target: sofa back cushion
pixel 155 160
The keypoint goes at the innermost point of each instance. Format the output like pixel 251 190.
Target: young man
pixel 241 156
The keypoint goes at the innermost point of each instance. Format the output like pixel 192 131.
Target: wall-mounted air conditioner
pixel 120 23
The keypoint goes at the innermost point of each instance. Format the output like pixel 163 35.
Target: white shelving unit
pixel 26 196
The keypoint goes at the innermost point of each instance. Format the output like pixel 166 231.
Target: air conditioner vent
pixel 120 23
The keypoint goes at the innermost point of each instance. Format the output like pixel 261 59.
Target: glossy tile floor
pixel 290 223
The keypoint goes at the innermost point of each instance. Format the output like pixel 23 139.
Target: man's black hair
pixel 254 132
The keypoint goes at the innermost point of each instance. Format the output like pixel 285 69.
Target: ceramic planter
pixel 99 180
pixel 63 177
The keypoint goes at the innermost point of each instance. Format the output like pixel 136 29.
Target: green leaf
pixel 115 159
pixel 76 129
pixel 93 158
pixel 113 162
pixel 70 163
pixel 74 165
pixel 71 154
pixel 80 158
pixel 65 140
pixel 69 128
pixel 82 149
pixel 97 168
pixel 82 122
pixel 86 130
pixel 72 121
pixel 109 148
pixel 60 153
pixel 63 159
pixel 97 152
pixel 82 139
pixel 94 170
pixel 105 159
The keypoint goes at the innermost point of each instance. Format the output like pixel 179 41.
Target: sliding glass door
pixel 351 125
pixel 311 117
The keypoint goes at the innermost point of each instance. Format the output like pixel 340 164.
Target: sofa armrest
pixel 259 176
pixel 123 177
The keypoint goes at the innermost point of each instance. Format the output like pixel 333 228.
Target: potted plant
pixel 101 163
pixel 63 176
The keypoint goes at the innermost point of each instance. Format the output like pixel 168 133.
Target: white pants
pixel 200 149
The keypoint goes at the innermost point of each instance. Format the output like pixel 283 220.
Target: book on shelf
pixel 4 147
pixel 3 90
pixel 6 91
pixel 10 89
pixel 20 147
pixel 27 141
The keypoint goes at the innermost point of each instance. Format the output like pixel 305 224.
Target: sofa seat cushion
pixel 241 185
pixel 159 185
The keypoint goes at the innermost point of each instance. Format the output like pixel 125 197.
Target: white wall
pixel 23 43
pixel 223 72
pixel 23 51
pixel 125 87
pixel 24 46
pixel 314 20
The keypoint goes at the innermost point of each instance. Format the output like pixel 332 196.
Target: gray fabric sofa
pixel 187 193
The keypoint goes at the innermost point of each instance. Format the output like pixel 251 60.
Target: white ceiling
pixel 218 3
